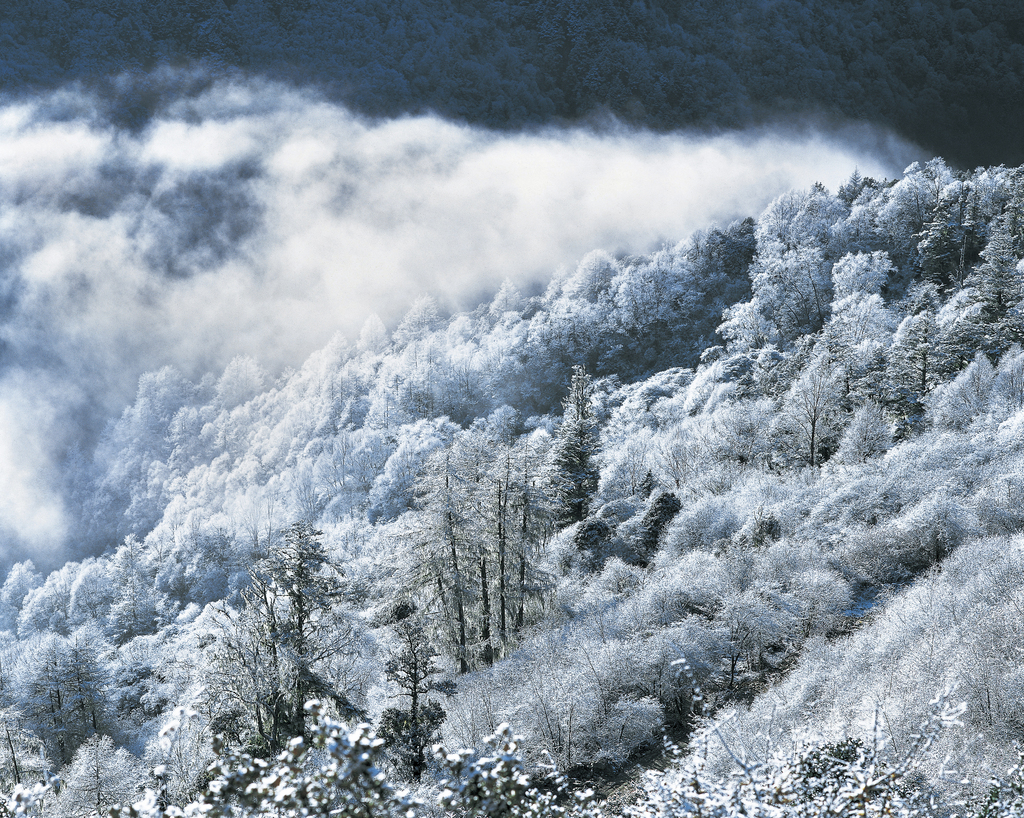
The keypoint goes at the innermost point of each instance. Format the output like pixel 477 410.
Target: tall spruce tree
pixel 574 471
pixel 914 359
pixel 995 322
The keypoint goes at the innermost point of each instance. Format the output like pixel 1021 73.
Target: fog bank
pixel 261 220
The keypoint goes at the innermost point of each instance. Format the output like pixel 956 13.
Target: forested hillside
pixel 775 467
pixel 945 73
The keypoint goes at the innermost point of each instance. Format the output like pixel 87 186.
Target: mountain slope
pixel 576 512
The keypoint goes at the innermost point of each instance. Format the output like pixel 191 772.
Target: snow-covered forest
pixel 512 409
pixel 773 470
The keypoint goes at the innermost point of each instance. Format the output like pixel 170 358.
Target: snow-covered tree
pixel 574 475
pixel 811 411
pixel 271 656
pixel 412 667
pixel 100 776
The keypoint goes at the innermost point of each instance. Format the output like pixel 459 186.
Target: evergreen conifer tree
pixel 994 324
pixel 272 653
pixel 410 731
pixel 574 468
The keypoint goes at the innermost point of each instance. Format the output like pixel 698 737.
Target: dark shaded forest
pixel 943 73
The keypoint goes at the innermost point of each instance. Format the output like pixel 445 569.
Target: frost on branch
pixel 846 779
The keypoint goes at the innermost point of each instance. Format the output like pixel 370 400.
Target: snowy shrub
pixel 644 532
pixel 628 725
pixel 618 578
pixel 824 597
pixel 763 626
pixel 625 467
pixel 742 432
pixel 956 404
pixel 921 537
pixel 336 773
pixel 869 434
pixel 761 528
pixel 617 512
pixel 931 530
pixel 846 779
pixel 680 455
pixel 691 585
pixel 703 525
pixel 1008 387
pixel 999 501
pixel 694 650
pixel 705 390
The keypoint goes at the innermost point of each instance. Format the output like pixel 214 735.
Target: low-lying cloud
pixel 261 220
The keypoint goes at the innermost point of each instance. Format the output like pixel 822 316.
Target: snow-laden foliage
pixel 579 513
pixel 336 773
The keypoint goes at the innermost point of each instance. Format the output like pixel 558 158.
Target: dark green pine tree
pixel 993 321
pixel 951 240
pixel 913 359
pixel 574 471
pixel 409 731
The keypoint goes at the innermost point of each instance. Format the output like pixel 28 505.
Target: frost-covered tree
pixel 134 607
pixel 101 776
pixel 991 320
pixel 662 508
pixel 422 319
pixel 951 240
pixel 271 656
pixel 793 290
pixel 48 607
pixel 1009 383
pixel 62 686
pixel 23 759
pixel 811 410
pixel 412 667
pixel 957 403
pixel 573 466
pixel 507 300
pixel 373 337
pixel 443 564
pixel 868 435
pixel 21 579
pixel 93 591
pixel 242 380
pixel 865 273
pixel 914 357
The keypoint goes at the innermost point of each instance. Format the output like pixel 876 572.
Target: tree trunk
pixel 502 600
pixel 485 615
pixel 460 608
pixel 521 612
pixel 14 757
pixel 813 431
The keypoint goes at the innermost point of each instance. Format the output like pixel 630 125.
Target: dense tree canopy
pixel 946 74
